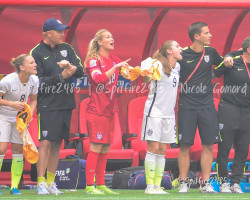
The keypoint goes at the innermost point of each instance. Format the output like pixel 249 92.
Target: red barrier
pixel 131 3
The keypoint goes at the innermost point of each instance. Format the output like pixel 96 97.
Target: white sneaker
pixel 150 190
pixel 159 190
pixel 235 188
pixel 207 188
pixel 53 189
pixel 225 188
pixel 184 188
pixel 42 189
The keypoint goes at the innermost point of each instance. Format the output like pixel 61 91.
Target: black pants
pixel 234 123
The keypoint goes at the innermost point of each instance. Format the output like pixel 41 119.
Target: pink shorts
pixel 100 128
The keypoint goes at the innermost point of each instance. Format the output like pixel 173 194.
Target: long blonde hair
pixel 93 50
pixel 161 55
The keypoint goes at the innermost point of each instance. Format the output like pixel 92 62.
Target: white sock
pixel 149 163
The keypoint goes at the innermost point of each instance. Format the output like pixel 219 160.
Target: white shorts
pixel 8 131
pixel 161 130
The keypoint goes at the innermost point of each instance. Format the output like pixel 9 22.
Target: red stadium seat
pixel 83 132
pixel 117 157
pixel 135 118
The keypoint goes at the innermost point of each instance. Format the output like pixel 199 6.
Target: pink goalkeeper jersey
pixel 103 90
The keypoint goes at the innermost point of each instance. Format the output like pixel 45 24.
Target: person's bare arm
pixel 19 106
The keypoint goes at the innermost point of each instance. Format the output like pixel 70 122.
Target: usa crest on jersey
pixel 150 132
pixel 45 133
pixel 206 58
pixel 99 135
pixel 64 53
pixel 92 63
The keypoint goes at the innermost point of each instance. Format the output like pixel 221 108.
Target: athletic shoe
pixel 42 189
pixel 52 189
pixel 105 189
pixel 225 188
pixel 184 187
pixel 90 189
pixel 150 190
pixel 235 188
pixel 159 190
pixel 15 191
pixel 207 188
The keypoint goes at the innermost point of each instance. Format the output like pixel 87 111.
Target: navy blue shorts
pixel 205 119
pixel 54 125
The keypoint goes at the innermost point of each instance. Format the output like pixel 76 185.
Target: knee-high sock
pixel 16 169
pixel 41 180
pixel 149 163
pixel 100 171
pixel 91 167
pixel 1 161
pixel 50 178
pixel 159 169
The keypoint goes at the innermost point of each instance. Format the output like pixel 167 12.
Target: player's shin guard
pixel 16 169
pixel 149 163
pixel 91 167
pixel 159 169
pixel 100 171
pixel 50 178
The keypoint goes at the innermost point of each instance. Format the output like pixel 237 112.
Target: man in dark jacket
pixel 57 64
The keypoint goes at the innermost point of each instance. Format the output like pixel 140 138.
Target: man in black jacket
pixel 57 64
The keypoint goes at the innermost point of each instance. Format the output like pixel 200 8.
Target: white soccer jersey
pixel 14 90
pixel 163 93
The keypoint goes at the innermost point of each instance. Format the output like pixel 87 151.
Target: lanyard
pixel 203 53
pixel 246 66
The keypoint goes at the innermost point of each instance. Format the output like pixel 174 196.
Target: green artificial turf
pixel 124 195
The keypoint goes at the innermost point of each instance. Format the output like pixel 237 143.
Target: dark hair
pixel 195 28
pixel 246 44
pixel 18 61
pixel 161 55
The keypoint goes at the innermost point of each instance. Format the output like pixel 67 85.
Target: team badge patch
pixel 99 135
pixel 180 136
pixel 150 132
pixel 92 63
pixel 221 126
pixel 206 58
pixel 45 133
pixel 64 53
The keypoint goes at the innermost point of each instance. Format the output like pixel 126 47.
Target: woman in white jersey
pixel 158 127
pixel 16 88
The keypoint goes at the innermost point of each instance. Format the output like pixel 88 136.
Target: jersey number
pixel 174 82
pixel 23 116
pixel 22 98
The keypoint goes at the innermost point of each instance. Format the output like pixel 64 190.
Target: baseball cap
pixel 54 24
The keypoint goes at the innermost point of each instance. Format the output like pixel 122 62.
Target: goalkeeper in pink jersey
pixel 103 71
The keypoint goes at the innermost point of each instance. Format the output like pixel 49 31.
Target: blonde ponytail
pixel 93 49
pixel 18 61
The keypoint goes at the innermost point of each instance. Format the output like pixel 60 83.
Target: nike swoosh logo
pixel 240 69
pixel 190 61
pixel 45 58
